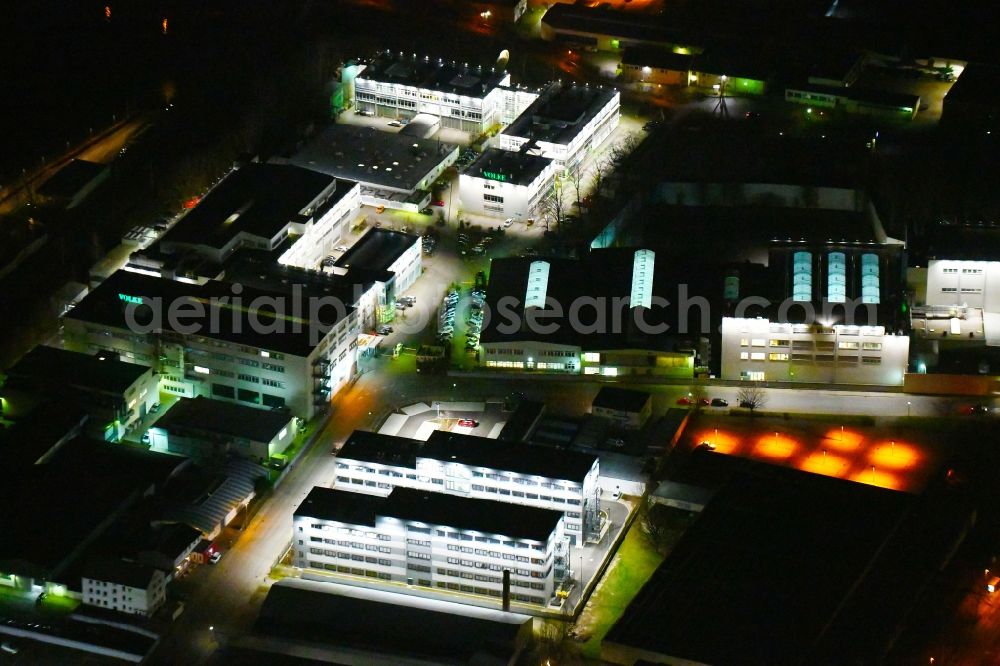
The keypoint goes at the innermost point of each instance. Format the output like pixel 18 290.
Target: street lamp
pixel 908 403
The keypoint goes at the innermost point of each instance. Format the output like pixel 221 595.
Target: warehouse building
pixel 127 587
pixel 479 468
pixel 433 541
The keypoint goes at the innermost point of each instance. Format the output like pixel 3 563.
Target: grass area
pixel 634 563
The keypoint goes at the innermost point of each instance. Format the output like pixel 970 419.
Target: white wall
pixel 519 201
pixel 972 283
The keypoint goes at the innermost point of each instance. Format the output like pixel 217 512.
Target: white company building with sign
pixel 505 184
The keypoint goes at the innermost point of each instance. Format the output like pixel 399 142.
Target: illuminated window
pixel 848 345
pixel 744 342
pixel 757 356
pixel 779 343
pixel 591 357
pixel 284 431
pixel 774 356
pixel 802 276
pixel 202 370
pixel 758 342
pixel 609 372
pixel 591 371
pixel 744 356
pixel 836 285
pixel 872 346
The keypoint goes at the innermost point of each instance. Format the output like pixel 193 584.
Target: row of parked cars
pixel 446 318
pixel 475 321
pixel 713 402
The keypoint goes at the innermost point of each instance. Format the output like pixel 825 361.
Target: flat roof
pixel 507 167
pixel 257 199
pixel 121 572
pixel 625 400
pixel 423 71
pixel 221 320
pixel 372 157
pixel 979 84
pixel 560 112
pixel 226 418
pixel 377 250
pixel 406 625
pixel 490 516
pixel 468 450
pixel 605 21
pixel 774 553
pixel 102 372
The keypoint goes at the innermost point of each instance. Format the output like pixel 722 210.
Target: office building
pixel 210 430
pixel 394 170
pixel 399 85
pixel 113 393
pixel 291 348
pixel 479 468
pixel 393 260
pixel 127 587
pixel 506 184
pixel 433 541
pixel 652 66
pixel 564 123
pixel 297 215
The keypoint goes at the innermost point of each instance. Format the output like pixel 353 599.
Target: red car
pixel 704 401
pixel 684 400
pixel 468 423
pixel 438 202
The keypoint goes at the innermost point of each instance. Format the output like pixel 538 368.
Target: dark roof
pixel 560 112
pixel 605 21
pixel 733 61
pixel 656 57
pixel 432 74
pixel 625 400
pixel 129 574
pixel 226 418
pixel 512 520
pixel 979 84
pixel 371 156
pixel 72 178
pixel 378 448
pixel 512 457
pixel 50 365
pixel 884 98
pixel 773 554
pixel 521 423
pixel 510 167
pixel 401 627
pixel 377 250
pixel 264 198
pixel 105 306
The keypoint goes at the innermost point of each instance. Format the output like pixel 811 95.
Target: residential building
pixel 289 348
pixel 113 393
pixel 127 587
pixel 625 408
pixel 506 184
pixel 433 541
pixel 393 170
pixel 476 467
pixel 564 123
pixel 207 429
pixel 400 85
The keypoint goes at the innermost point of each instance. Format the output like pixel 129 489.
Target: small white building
pixel 506 184
pixel 564 123
pixel 761 350
pixel 393 259
pixel 626 408
pixel 127 587
pixel 398 85
pixel 433 541
pixel 476 467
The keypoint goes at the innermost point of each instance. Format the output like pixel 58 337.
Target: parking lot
pixel 419 420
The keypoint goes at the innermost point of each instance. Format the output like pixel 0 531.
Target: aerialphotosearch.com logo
pixel 298 313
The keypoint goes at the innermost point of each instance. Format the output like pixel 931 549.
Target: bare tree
pixel 599 171
pixel 621 150
pixel 553 206
pixel 752 397
pixel 575 176
pixel 553 644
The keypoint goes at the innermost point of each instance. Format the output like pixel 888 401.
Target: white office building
pixel 504 185
pixel 229 344
pixel 433 541
pixel 398 85
pixel 564 123
pixel 127 587
pixel 480 468
pixel 758 349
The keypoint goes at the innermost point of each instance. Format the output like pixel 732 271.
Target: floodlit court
pixel 894 456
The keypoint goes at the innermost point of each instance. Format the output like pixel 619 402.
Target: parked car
pixel 384 330
pixel 155 407
pixel 395 123
pixel 145 437
pixel 719 402
pixel 468 423
pixel 216 556
pixel 438 202
pixel 509 221
pixel 684 400
pixel 707 445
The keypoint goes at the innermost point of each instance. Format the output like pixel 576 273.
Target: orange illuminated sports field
pixel 890 457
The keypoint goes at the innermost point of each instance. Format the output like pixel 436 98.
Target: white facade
pixel 570 497
pixel 759 350
pixel 569 153
pixel 432 556
pixel 118 596
pixel 499 199
pixel 973 284
pixel 474 114
pixel 318 238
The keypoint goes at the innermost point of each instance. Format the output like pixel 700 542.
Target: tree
pixel 621 150
pixel 553 207
pixel 575 176
pixel 751 396
pixel 553 644
pixel 599 171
